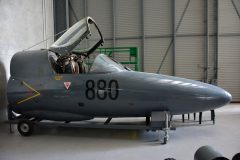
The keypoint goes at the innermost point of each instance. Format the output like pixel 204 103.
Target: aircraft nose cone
pixel 227 97
pixel 222 97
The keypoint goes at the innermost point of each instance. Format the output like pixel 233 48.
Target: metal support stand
pixel 200 117
pixel 183 118
pixel 213 116
pixel 166 129
pixel 10 117
pixel 160 120
pixel 108 120
pixel 148 120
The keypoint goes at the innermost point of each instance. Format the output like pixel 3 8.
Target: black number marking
pixel 101 94
pixel 90 92
pixel 113 89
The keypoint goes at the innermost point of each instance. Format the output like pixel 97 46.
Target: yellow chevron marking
pixel 28 98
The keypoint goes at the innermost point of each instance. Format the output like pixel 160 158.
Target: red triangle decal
pixel 67 84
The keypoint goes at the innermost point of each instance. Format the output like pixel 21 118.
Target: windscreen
pixel 103 64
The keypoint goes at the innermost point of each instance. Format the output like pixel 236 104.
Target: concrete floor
pixel 71 143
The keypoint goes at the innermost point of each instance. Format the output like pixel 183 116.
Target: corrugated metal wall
pixel 154 51
pixel 202 37
pixel 229 48
pixel 128 22
pixel 127 26
pixel 190 46
pixel 158 30
pixel 229 65
pixel 102 14
pixel 189 57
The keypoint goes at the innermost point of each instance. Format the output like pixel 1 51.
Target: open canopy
pixel 71 52
pixel 82 38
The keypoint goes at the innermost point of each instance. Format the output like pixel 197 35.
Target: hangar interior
pixel 194 39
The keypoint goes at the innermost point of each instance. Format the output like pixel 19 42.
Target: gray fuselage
pixel 114 94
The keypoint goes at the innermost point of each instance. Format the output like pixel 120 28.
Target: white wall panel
pixel 189 57
pixel 101 11
pixel 77 11
pixel 229 21
pixel 158 17
pixel 155 50
pixel 24 24
pixel 193 19
pixel 128 18
pixel 229 65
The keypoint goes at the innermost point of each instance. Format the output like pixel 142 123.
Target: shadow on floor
pixel 135 136
pixel 114 134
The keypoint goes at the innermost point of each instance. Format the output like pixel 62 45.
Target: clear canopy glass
pixel 103 64
pixel 82 37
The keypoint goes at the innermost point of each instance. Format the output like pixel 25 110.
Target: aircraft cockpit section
pixel 73 64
